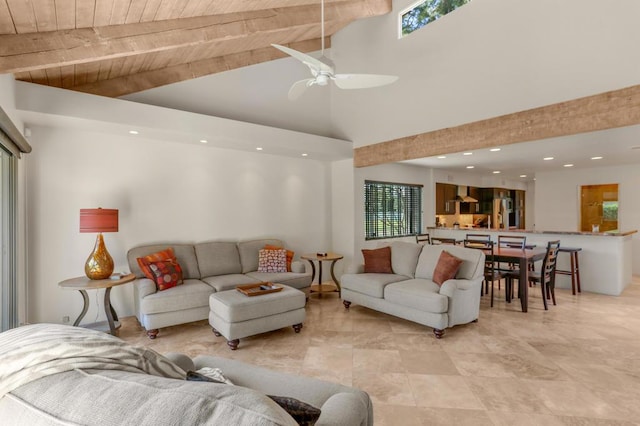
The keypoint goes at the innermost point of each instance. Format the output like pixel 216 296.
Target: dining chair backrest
pixel 549 262
pixel 438 240
pixel 478 237
pixel 423 239
pixel 512 241
pixel 487 248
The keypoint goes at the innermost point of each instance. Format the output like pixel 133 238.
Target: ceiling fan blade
pixel 314 64
pixel 299 87
pixel 362 81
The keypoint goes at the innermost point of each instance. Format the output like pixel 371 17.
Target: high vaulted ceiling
pixel 118 47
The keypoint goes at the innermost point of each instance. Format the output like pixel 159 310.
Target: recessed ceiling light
pixel 203 141
pixel 568 165
pixel 494 149
pixel 259 148
pixel 133 132
pixel 495 172
pixel 305 154
pixel 468 153
pixel 596 158
pixel 523 175
pixel 442 156
pixel 470 167
pixel 547 158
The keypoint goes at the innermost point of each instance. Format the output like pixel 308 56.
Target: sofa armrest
pixel 298 266
pixel 145 287
pixel 464 300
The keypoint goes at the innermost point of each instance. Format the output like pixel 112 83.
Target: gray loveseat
pixel 54 375
pixel 207 267
pixel 409 291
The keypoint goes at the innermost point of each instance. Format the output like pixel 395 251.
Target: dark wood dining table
pixel 522 258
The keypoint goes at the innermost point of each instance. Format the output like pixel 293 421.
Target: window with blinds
pixel 392 209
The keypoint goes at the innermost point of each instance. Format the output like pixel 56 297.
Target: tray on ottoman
pixel 258 288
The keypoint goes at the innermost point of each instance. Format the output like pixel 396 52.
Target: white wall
pixel 164 191
pixel 485 59
pixel 557 204
pixel 342 190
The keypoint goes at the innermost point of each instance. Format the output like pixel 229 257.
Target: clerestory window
pixel 425 11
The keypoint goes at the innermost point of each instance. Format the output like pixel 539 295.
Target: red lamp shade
pixel 98 220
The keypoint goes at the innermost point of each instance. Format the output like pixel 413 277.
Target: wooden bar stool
pixel 575 269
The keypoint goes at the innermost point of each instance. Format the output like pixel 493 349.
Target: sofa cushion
pixel 192 294
pixel 249 252
pixel 292 279
pixel 377 261
pixel 229 281
pixel 137 399
pixel 185 254
pixel 369 284
pixel 404 257
pixel 418 294
pixel 218 258
pixel 472 263
pixel 272 260
pixel 446 268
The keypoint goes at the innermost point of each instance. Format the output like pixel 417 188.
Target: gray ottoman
pixel 234 315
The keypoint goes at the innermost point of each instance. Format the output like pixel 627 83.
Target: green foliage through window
pixel 610 210
pixel 428 11
pixel 392 209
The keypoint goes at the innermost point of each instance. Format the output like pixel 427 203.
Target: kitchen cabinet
pixel 472 208
pixel 518 207
pixel 445 196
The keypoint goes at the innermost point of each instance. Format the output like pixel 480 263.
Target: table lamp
pixel 99 265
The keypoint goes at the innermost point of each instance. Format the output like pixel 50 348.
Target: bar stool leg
pixel 578 273
pixel 573 272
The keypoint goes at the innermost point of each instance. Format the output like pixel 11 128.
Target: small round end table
pixel 320 287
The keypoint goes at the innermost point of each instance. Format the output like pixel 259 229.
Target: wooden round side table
pixel 320 287
pixel 82 284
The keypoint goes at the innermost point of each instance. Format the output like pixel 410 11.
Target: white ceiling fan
pixel 323 71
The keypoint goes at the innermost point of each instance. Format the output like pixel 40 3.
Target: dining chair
pixel 438 240
pixel 546 276
pixel 478 237
pixel 423 239
pixel 512 241
pixel 490 272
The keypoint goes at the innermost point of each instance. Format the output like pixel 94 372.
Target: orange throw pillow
pixel 446 268
pixel 377 260
pixel 143 262
pixel 289 254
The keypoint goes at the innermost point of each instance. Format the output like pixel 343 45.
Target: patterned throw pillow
pixel 167 274
pixel 143 262
pixel 272 260
pixel 289 254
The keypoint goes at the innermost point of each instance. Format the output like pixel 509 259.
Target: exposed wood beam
pixel 607 110
pixel 33 51
pixel 149 79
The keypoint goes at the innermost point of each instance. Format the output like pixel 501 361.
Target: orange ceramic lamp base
pixel 99 265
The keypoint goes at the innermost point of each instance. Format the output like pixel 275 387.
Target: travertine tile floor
pixel 576 364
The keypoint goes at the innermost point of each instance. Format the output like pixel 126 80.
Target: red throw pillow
pixel 446 268
pixel 377 260
pixel 289 254
pixel 143 262
pixel 166 274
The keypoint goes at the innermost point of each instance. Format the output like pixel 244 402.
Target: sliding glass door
pixel 8 281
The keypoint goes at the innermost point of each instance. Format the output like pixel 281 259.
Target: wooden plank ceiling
pixel 116 47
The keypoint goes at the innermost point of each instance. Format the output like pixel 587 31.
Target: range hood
pixel 463 195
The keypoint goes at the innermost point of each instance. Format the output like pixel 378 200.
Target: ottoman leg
pixel 297 327
pixel 215 332
pixel 233 344
pixel 152 334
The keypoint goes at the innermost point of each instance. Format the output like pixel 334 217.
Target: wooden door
pixel 599 206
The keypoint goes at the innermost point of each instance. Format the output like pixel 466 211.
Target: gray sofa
pixel 411 294
pixel 207 267
pixel 69 375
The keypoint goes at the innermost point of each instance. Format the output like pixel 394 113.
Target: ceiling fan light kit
pixel 324 72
